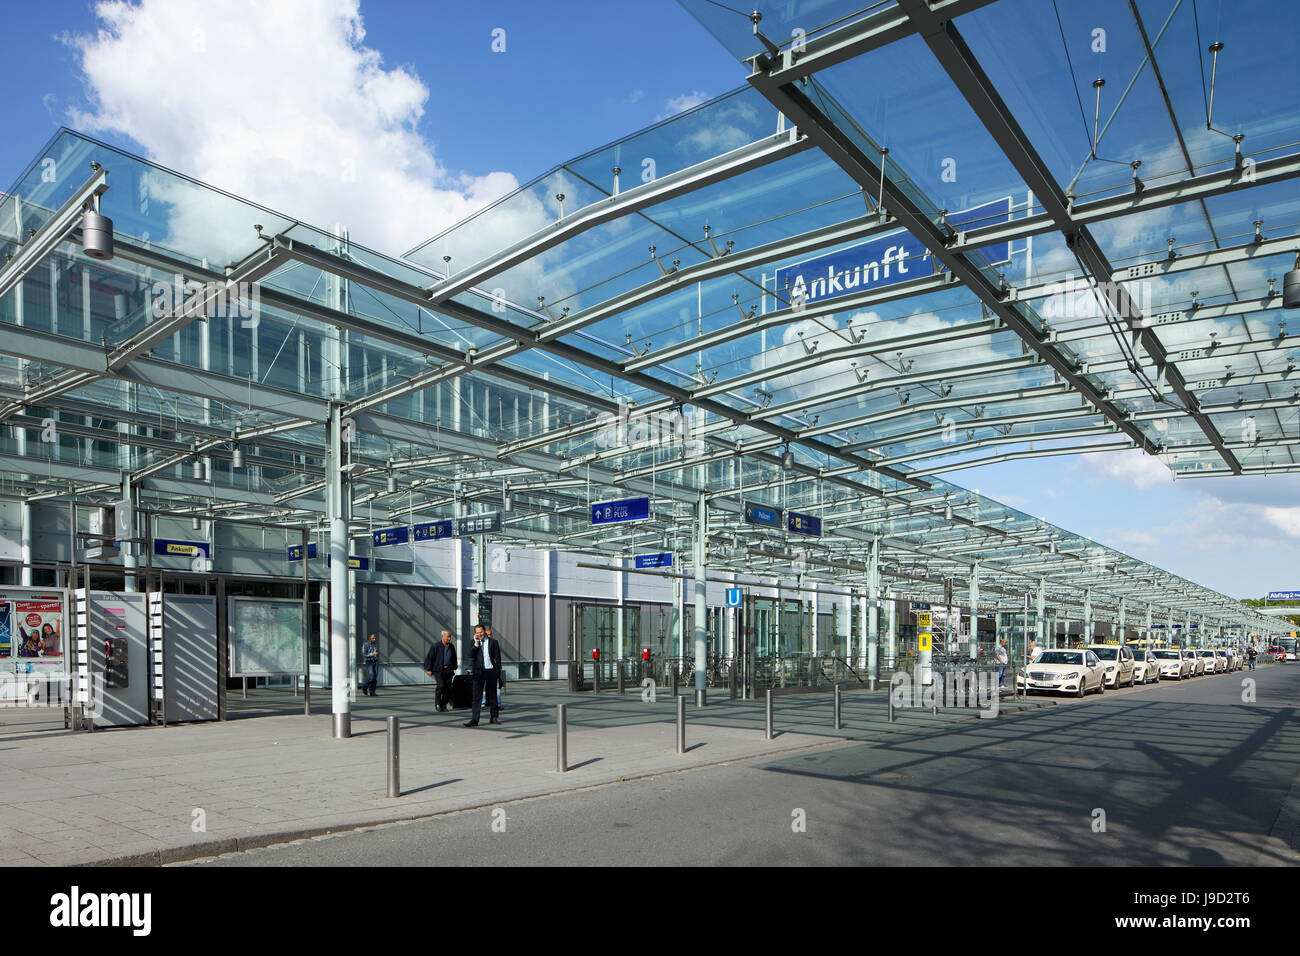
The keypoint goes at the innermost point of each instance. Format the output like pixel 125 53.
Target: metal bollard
pixel 674 670
pixel 595 676
pixel 561 738
pixel 838 723
pixel 767 717
pixel 619 664
pixel 731 679
pixel 394 766
pixel 681 725
pixel 890 697
pixel 701 698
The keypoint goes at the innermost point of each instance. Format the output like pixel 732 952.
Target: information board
pixel 265 637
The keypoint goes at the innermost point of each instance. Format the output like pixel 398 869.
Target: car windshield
pixel 1061 657
pixel 1106 653
pixel 1207 653
pixel 1168 655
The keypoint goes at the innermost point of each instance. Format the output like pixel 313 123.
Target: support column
pixel 701 594
pixel 974 597
pixel 549 671
pixel 872 617
pixel 25 547
pixel 340 640
pixel 1147 633
pixel 130 556
pixel 1123 620
pixel 1040 627
pixel 1087 617
pixel 892 645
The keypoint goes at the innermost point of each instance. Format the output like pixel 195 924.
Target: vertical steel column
pixel 1040 626
pixel 1123 620
pixel 701 593
pixel 871 617
pixel 394 759
pixel 974 611
pixel 1087 617
pixel 340 678
pixel 561 738
pixel 306 629
pixel 681 725
pixel 25 552
pixel 892 645
pixel 767 716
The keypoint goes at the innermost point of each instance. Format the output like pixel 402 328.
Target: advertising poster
pixel 37 626
pixel 6 629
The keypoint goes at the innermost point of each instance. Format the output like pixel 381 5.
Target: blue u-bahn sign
pixel 883 261
pixel 432 530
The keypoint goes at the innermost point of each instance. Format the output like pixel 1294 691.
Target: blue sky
pixel 423 101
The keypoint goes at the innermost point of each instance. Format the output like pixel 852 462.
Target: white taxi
pixel 1068 672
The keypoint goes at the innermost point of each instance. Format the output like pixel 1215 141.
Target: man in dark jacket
pixel 440 664
pixel 485 666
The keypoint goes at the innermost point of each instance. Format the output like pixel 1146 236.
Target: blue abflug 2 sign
pixel 883 261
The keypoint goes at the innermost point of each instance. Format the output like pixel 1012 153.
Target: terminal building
pixel 687 399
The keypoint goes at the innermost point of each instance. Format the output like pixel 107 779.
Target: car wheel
pixel 1082 684
pixel 1132 677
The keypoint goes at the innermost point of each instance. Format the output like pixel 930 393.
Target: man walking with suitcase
pixel 485 666
pixel 440 664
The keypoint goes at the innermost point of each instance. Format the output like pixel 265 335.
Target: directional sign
pixel 184 549
pixel 803 524
pixel 733 597
pixel 919 606
pixel 295 553
pixel 432 530
pixel 882 261
pixel 663 559
pixel 387 536
pixel 355 562
pixel 471 525
pixel 629 509
pixel 1284 595
pixel 762 515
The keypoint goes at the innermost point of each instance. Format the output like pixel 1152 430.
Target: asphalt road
pixel 1171 774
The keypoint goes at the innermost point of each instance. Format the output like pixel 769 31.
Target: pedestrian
pixel 1034 649
pixel 1251 654
pixel 1002 662
pixel 440 664
pixel 371 650
pixel 501 676
pixel 485 666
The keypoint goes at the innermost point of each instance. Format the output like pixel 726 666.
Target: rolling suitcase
pixel 462 689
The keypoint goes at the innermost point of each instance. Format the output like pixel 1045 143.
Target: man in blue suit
pixel 440 664
pixel 485 666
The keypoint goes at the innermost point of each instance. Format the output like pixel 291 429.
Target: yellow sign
pixel 923 620
pixel 188 550
pixel 925 640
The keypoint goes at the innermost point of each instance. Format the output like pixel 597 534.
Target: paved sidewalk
pixel 153 795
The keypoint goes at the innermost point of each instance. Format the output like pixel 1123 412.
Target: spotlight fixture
pixel 787 460
pixel 392 483
pixel 194 523
pixel 237 458
pixel 1291 287
pixel 96 232
pixel 947 512
pixel 198 469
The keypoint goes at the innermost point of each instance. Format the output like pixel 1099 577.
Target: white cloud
pixel 279 102
pixel 680 104
pixel 1286 520
pixel 1133 467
